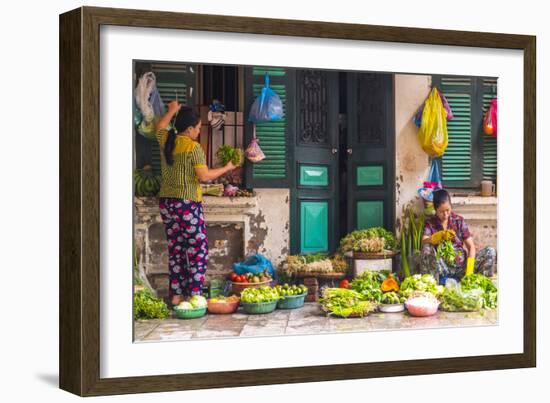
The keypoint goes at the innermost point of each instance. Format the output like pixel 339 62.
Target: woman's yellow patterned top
pixel 180 179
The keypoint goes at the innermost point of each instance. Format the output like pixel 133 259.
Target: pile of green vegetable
pixel 313 263
pixel 446 251
pixel 422 283
pixel 261 294
pixel 227 153
pixel 456 300
pixel 367 284
pixel 215 189
pixel 479 281
pixel 344 302
pixel 147 306
pixel 353 239
pixel 289 290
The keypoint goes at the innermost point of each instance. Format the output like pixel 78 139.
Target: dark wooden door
pixel 314 195
pixel 370 153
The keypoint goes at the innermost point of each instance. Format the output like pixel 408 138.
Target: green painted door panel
pixel 314 226
pixel 313 175
pixel 370 214
pixel 370 175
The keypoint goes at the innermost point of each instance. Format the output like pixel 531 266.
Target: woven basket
pixel 259 307
pixel 291 301
pixel 189 313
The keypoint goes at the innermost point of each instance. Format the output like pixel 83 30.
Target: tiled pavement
pixel 306 320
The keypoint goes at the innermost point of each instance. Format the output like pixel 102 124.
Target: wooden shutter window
pixel 489 142
pixel 272 135
pixel 171 77
pixel 457 159
pixel 273 171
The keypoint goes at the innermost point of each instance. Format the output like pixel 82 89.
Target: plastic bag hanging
pixel 253 152
pixel 267 106
pixel 418 115
pixel 434 182
pixel 490 119
pixel 434 177
pixel 149 104
pixel 432 135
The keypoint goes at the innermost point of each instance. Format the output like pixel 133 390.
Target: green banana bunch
pixel 146 183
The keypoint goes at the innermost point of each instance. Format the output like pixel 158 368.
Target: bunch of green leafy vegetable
pixel 490 292
pixel 368 284
pixel 344 302
pixel 314 257
pixel 147 306
pixel 261 294
pixel 347 243
pixel 454 299
pixel 420 282
pixel 227 153
pixel 446 251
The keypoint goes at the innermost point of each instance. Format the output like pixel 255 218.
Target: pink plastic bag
pixel 253 152
pixel 490 119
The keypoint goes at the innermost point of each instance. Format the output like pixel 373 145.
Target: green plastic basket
pixel 259 307
pixel 291 301
pixel 190 313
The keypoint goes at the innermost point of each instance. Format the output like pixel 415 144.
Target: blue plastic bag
pixel 433 183
pixel 267 106
pixel 434 176
pixel 255 264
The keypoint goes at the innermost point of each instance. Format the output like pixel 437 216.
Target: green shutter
pixel 271 135
pixel 489 142
pixel 171 77
pixel 457 159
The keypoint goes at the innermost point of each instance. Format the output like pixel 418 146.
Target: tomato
pixel 344 283
pixel 233 276
pixel 242 278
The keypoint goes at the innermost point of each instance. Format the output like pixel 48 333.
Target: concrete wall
pixel 236 228
pixel 411 163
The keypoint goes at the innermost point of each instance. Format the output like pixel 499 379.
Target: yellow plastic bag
pixel 433 135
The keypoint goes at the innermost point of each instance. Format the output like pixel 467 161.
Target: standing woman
pixel 446 225
pixel 183 165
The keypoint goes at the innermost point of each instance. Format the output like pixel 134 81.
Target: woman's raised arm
pixel 173 108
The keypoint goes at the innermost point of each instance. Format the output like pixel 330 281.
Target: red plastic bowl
pixel 422 306
pixel 223 307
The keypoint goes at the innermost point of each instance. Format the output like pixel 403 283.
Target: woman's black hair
pixel 440 196
pixel 185 117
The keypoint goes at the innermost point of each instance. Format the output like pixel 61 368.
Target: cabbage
pixel 198 301
pixel 185 305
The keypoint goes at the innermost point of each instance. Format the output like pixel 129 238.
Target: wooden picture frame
pixel 80 183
